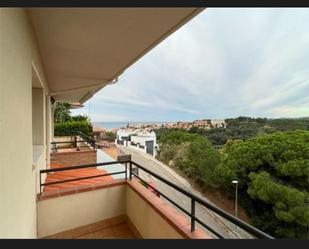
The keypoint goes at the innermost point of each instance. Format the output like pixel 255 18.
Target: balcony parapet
pixel 137 199
pixel 133 180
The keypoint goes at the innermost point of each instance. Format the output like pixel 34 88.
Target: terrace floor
pixel 115 228
pixel 71 174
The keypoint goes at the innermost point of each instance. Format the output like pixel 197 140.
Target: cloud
pixel 223 63
pixel 158 103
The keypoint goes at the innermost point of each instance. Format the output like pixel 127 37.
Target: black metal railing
pixel 88 139
pixel 85 139
pixel 194 199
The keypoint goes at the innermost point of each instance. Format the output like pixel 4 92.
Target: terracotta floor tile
pixel 66 175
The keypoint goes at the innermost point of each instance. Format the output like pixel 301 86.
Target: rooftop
pixel 97 128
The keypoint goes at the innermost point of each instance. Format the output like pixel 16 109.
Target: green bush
pixel 71 128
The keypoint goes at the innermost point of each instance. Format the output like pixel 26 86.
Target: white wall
pixel 142 140
pixel 67 212
pixel 71 211
pixel 18 52
pixel 150 224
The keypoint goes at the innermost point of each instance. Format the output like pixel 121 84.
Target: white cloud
pixel 223 63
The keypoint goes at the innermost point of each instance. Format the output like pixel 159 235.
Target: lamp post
pixel 236 189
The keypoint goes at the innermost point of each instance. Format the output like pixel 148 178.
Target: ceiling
pixel 84 49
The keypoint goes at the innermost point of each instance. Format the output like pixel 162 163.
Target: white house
pixel 146 141
pixel 218 123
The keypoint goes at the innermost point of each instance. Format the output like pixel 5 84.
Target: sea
pixel 117 125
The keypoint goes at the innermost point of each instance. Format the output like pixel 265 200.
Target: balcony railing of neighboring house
pixel 130 171
pixel 88 141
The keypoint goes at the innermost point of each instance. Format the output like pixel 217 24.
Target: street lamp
pixel 236 184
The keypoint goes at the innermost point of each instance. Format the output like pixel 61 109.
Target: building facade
pixel 139 138
pixel 56 54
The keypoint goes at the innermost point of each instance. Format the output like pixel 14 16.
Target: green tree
pixel 110 136
pixel 80 118
pixel 62 112
pixel 273 179
pixel 202 161
pixel 65 124
pixel 191 153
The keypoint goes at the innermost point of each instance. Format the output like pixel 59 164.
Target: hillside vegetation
pixel 246 127
pixel 272 169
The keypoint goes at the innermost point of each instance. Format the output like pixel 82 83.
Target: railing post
pixel 75 142
pixel 192 215
pixel 55 147
pixel 130 170
pixel 126 159
pixel 126 165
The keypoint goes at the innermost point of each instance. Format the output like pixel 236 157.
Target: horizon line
pixel 157 121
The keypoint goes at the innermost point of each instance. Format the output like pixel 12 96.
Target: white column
pixel 49 126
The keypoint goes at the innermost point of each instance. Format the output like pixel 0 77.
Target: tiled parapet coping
pixel 177 220
pixel 78 189
pixel 172 216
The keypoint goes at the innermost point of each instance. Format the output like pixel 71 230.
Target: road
pixel 217 223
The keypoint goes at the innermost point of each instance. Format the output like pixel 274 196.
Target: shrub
pixel 110 136
pixel 72 128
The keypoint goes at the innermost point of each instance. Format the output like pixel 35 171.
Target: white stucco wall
pixel 71 211
pixel 67 212
pixel 18 52
pixel 142 139
pixel 146 220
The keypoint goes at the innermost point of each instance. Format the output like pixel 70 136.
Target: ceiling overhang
pixel 76 105
pixel 85 49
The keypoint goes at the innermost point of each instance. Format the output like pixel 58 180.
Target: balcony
pixel 122 208
pixel 73 149
pixel 74 141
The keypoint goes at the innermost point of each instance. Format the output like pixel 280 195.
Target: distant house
pixel 141 139
pixel 98 132
pixel 218 123
pixel 123 135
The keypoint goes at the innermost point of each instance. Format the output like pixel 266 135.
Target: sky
pixel 224 63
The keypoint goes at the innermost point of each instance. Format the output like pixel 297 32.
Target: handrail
pixel 68 142
pixel 86 139
pixel 82 166
pixel 247 227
